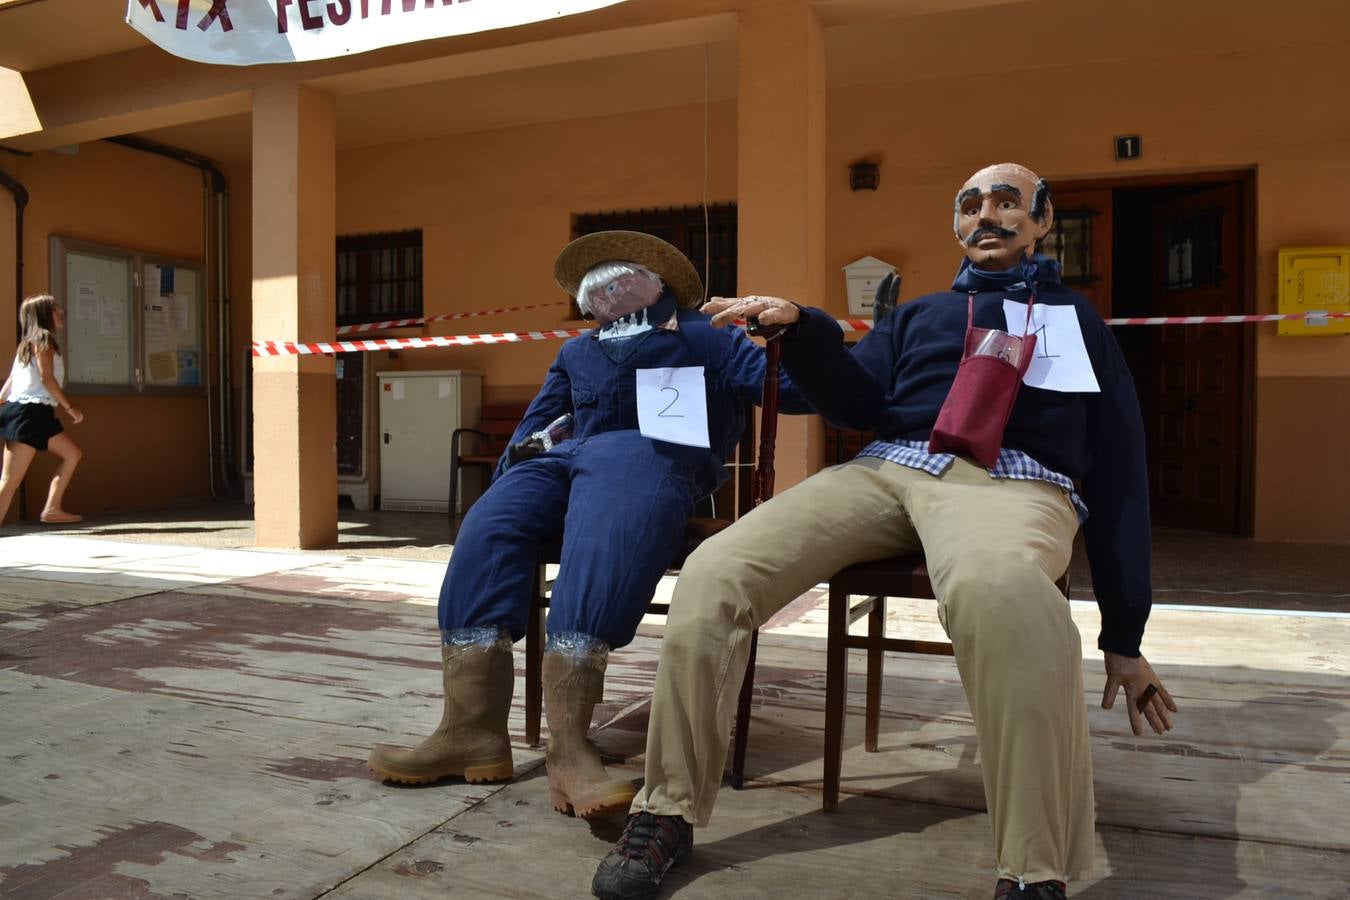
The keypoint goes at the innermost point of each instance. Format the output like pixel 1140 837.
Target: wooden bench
pixel 485 445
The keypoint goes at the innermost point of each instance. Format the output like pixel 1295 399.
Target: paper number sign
pixel 1060 361
pixel 673 405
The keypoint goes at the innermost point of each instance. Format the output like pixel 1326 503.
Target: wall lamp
pixel 864 176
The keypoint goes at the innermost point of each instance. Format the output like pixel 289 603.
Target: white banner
pixel 250 32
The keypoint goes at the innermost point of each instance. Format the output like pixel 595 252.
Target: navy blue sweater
pixel 896 379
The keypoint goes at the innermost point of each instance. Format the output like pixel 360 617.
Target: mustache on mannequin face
pixel 985 231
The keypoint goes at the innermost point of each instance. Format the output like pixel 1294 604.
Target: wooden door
pixel 1081 240
pixel 351 413
pixel 1198 388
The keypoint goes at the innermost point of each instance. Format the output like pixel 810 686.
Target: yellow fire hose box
pixel 1313 280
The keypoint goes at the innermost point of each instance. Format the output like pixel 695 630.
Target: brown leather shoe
pixel 649 846
pixel 1040 890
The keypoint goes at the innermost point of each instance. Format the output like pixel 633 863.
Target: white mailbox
pixel 862 277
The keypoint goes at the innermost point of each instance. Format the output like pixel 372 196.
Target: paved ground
pixel 187 719
pixel 1193 568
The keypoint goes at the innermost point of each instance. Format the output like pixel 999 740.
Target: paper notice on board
pixel 189 372
pixel 178 306
pixel 156 328
pixel 164 366
pixel 398 391
pixel 442 388
pixel 111 318
pixel 86 301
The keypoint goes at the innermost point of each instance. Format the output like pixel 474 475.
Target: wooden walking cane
pixel 761 490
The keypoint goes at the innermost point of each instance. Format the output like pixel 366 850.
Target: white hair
pixel 602 274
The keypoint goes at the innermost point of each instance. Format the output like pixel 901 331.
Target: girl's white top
pixel 25 382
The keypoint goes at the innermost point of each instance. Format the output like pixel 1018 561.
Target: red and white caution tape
pixel 1226 320
pixel 866 324
pixel 862 325
pixel 419 320
pixel 293 348
pixel 1320 317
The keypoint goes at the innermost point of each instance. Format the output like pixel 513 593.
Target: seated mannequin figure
pixel 579 468
pixel 994 511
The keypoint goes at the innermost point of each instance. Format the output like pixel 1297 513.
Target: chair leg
pixel 876 662
pixel 743 716
pixel 534 661
pixel 454 487
pixel 836 693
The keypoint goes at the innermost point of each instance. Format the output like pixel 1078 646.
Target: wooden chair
pixel 496 425
pixel 754 477
pixel 696 531
pixel 896 576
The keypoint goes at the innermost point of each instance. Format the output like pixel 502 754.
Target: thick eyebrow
pixel 967 194
pixel 1006 189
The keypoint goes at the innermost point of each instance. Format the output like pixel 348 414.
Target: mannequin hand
pixel 1137 676
pixel 886 296
pixel 769 310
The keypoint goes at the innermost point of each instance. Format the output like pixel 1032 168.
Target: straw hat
pixel 588 251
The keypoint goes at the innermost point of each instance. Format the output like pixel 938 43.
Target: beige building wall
pixel 8 263
pixel 140 452
pixel 495 207
pixel 1262 110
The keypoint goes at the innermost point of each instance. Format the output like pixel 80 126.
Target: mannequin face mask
pixel 612 291
pixel 1001 213
pixel 628 301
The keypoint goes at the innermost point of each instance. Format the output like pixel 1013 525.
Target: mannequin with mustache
pixel 996 538
pixel 1001 214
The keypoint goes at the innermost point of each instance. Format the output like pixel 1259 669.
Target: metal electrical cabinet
pixel 418 412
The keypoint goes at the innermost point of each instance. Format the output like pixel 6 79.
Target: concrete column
pixel 294 263
pixel 780 193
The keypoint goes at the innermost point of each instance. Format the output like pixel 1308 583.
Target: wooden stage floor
pixel 189 722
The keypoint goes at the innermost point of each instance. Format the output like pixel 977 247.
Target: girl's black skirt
pixel 33 424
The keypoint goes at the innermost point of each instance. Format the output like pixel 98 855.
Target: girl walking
pixel 30 396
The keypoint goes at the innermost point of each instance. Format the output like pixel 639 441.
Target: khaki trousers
pixel 994 548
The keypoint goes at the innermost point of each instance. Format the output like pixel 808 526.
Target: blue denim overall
pixel 618 500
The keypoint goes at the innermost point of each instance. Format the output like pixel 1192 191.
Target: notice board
pixel 134 321
pixel 99 344
pixel 172 327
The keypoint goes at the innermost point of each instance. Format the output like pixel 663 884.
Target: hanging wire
pixel 707 233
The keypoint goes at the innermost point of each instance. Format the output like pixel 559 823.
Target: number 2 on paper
pixel 666 413
pixel 672 405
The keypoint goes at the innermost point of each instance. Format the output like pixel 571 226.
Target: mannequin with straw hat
pixel 579 468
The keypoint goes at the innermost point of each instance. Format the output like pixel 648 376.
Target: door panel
pixel 1081 240
pixel 1195 435
pixel 351 413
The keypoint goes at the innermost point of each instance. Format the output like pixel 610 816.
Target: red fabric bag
pixel 975 413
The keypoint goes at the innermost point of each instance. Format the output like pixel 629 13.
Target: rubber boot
pixel 472 739
pixel 577 781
